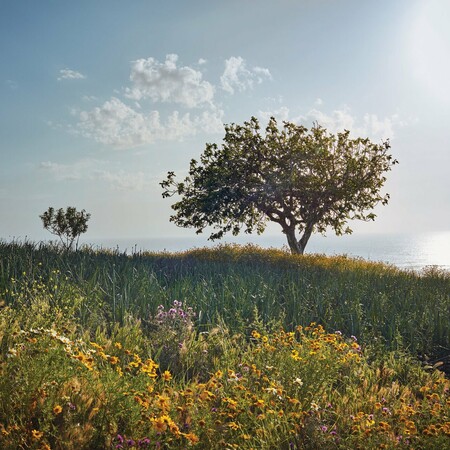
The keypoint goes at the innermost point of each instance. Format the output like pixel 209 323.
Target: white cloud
pixel 165 82
pixel 370 125
pixel 13 85
pixel 90 169
pixel 281 114
pixel 69 74
pixel 89 98
pixel 237 76
pixel 64 172
pixel 115 123
pixel 124 181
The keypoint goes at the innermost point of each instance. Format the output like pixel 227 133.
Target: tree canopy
pixel 304 180
pixel 68 225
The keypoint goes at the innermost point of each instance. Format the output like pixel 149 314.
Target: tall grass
pixel 379 303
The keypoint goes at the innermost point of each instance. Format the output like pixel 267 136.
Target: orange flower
pixel 192 438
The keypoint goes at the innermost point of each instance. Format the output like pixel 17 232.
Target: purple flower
pixel 130 442
pixel 144 442
pixel 120 438
pixel 324 428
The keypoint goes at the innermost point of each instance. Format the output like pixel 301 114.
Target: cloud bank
pixel 117 124
pixel 189 98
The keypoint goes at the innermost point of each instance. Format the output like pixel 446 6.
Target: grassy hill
pixel 222 342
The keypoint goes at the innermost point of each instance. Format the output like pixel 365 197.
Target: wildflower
pixel 163 401
pixel 143 442
pixel 57 410
pixel 159 424
pixel 192 438
pixel 167 376
pixel 260 403
pixel 272 390
pixel 113 360
pixel 298 381
pixel 37 434
pixel 255 334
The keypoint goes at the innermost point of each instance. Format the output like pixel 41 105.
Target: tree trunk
pixel 294 245
pixel 297 247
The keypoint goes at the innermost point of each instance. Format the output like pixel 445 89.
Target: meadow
pixel 231 347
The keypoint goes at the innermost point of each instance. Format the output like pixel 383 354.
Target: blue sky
pixel 99 99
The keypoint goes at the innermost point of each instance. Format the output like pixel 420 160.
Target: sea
pixel 406 251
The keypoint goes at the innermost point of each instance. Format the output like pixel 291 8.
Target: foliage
pixel 303 389
pixel 68 225
pixel 303 180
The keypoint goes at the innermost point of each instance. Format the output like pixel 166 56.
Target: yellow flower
pixel 57 410
pixel 167 375
pixel 159 424
pixel 37 434
pixel 192 438
pixel 255 334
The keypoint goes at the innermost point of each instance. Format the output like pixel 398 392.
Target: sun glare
pixel 429 46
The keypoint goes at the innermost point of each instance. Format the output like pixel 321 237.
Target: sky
pixel 100 99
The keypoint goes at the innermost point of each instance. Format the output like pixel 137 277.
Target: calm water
pixel 414 251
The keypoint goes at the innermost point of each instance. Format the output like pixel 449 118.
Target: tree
pixel 304 180
pixel 68 225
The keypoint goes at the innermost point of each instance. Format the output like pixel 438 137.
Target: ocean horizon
pixel 406 251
